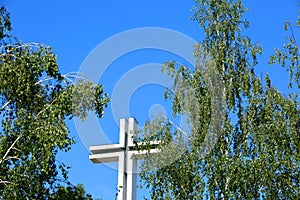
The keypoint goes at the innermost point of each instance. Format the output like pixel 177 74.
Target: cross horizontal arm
pixel 106 157
pixel 107 148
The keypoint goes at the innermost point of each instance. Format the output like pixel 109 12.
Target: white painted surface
pixel 121 153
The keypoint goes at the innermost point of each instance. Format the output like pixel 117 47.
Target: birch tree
pixel 36 100
pixel 254 152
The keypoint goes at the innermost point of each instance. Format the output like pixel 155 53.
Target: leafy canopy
pixel 251 149
pixel 35 102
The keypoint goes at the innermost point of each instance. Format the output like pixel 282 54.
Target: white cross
pixel 124 155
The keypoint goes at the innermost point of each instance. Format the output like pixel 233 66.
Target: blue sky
pixel 74 28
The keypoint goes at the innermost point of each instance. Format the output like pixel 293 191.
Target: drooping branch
pixel 8 48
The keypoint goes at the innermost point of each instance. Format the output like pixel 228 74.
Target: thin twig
pixel 43 80
pixel 293 36
pixel 4 182
pixel 11 157
pixel 179 129
pixel 8 150
pixel 45 108
pixel 8 102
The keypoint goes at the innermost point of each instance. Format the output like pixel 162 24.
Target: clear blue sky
pixel 75 28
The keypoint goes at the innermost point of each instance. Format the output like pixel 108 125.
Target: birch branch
pixel 9 149
pixel 6 104
pixel 4 182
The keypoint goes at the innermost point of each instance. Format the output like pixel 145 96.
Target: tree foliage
pixel 289 57
pixel 255 151
pixel 74 193
pixel 35 102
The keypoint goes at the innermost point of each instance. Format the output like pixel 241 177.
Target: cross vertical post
pixel 131 161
